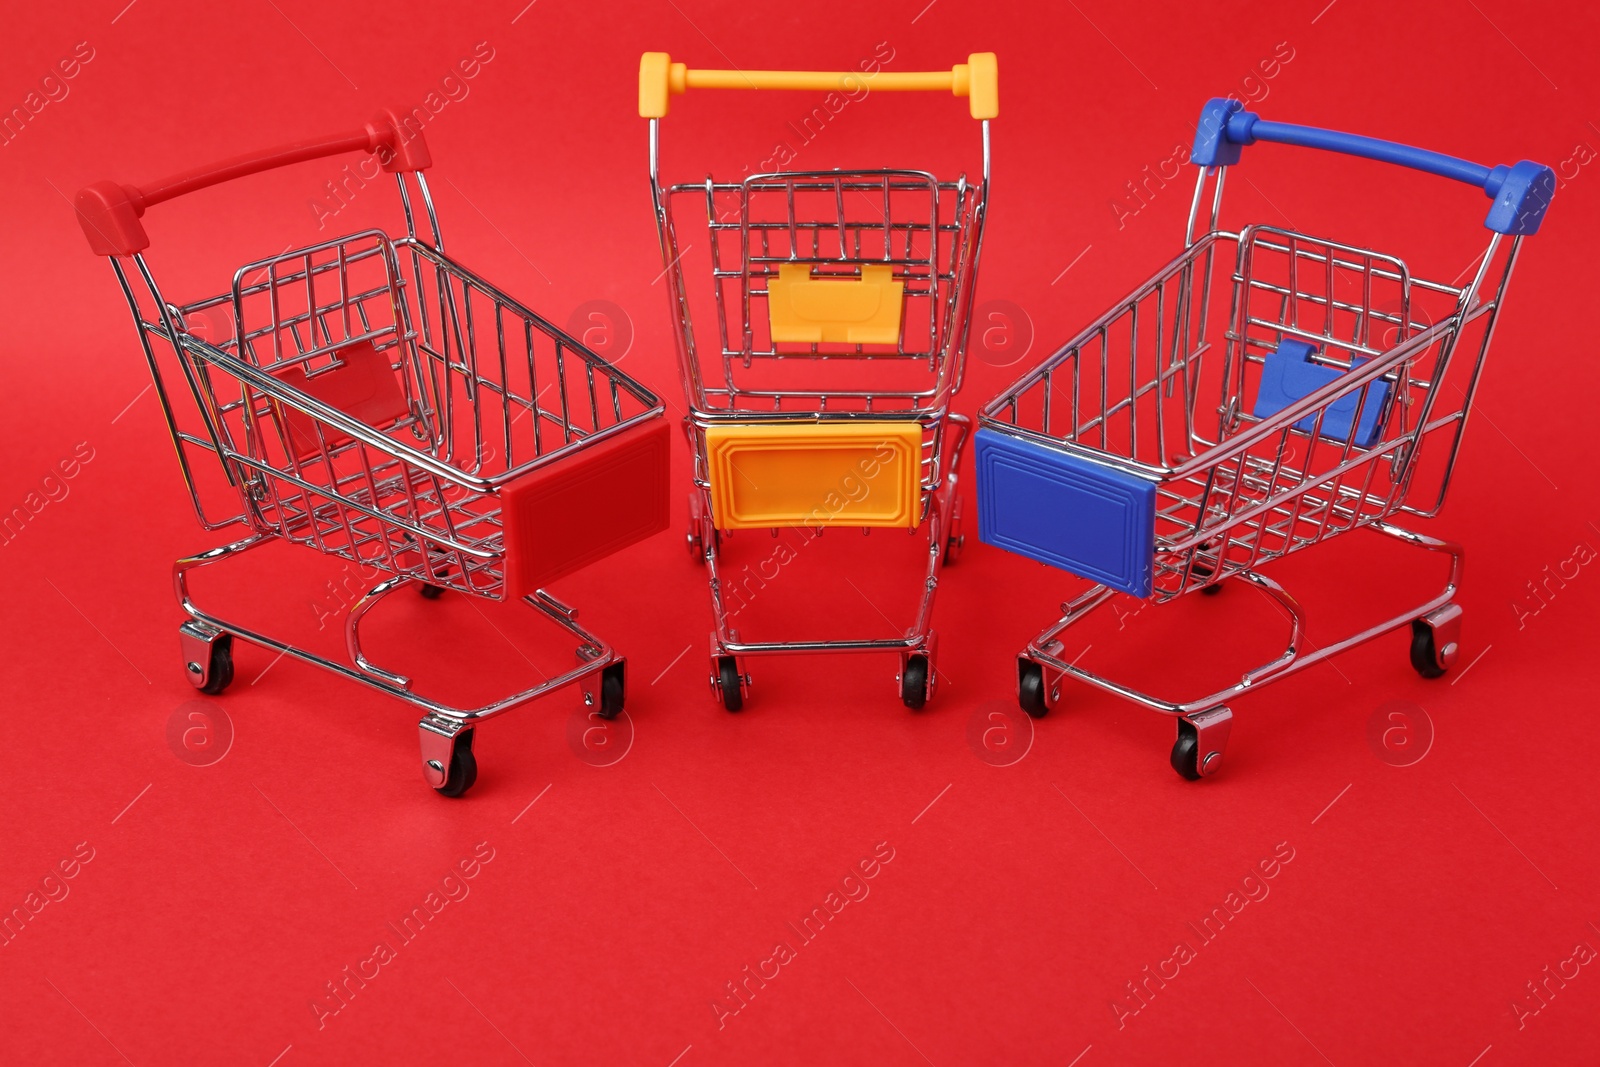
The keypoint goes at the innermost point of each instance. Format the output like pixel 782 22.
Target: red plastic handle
pixel 109 212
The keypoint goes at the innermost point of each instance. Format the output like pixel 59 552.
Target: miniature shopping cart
pixel 822 327
pixel 1167 448
pixel 370 398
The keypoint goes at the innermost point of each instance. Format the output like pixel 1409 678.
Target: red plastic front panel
pixel 570 514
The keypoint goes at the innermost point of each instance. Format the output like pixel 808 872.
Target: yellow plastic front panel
pixel 815 474
pixel 813 309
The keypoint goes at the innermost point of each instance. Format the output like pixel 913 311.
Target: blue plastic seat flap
pixel 1289 375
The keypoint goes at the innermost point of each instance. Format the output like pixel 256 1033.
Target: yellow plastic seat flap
pixel 815 309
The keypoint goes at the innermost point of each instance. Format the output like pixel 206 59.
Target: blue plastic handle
pixel 1521 193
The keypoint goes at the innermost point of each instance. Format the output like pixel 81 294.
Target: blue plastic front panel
pixel 1093 520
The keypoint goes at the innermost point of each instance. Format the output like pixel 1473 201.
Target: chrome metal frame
pixel 931 233
pixel 475 367
pixel 1141 390
pixel 595 657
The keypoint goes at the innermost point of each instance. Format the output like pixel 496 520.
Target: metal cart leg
pixel 954 540
pixel 605 694
pixel 352 632
pixel 1436 640
pixel 1038 684
pixel 918 672
pixel 1202 738
pixel 729 682
pixel 207 656
pixel 915 679
pixel 698 537
pixel 447 761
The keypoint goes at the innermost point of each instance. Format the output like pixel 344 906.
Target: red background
pixel 220 899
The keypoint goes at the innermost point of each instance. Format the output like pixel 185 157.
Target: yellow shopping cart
pixel 822 326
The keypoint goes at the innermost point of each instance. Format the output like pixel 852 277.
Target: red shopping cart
pixel 372 399
pixel 1182 439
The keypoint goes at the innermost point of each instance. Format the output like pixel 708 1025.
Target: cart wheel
pixel 220 674
pixel 1436 640
pixel 611 691
pixel 1202 740
pixel 914 682
pixel 1030 688
pixel 1185 752
pixel 218 652
pixel 1212 590
pixel 1424 650
pixel 729 682
pixel 463 767
pixel 431 592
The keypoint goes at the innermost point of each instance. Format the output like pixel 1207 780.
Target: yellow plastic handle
pixel 977 79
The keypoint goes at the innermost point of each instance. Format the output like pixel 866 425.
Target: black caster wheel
pixel 1425 651
pixel 463 767
pixel 730 683
pixel 1186 752
pixel 431 592
pixel 1030 689
pixel 611 691
pixel 914 682
pixel 1211 590
pixel 219 672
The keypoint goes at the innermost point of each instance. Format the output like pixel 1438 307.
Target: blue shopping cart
pixel 1183 439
